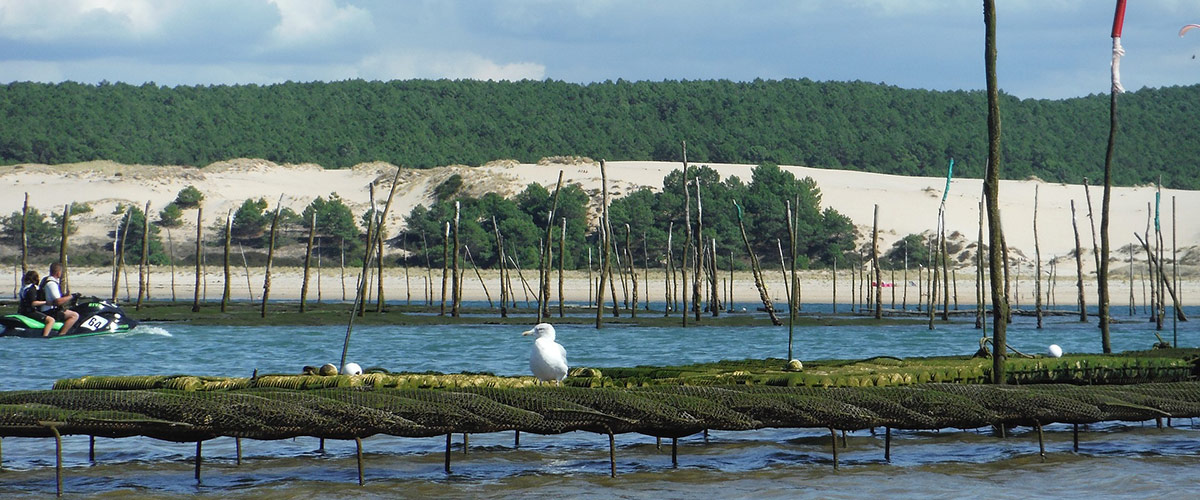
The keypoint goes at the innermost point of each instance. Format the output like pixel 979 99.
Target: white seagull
pixel 548 361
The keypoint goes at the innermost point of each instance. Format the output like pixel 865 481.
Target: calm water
pixel 1133 460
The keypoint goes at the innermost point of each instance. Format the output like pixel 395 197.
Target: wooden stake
pixel 199 459
pixel 270 256
pixel 1078 267
pixel 119 254
pixel 447 453
pixel 456 289
pixel 143 264
pixel 887 444
pixel 833 444
pixel 225 289
pixel 612 455
pixel 58 469
pixel 62 247
pixel 675 452
pixel 199 258
pixel 308 253
pixel 875 263
pixel 237 442
pixel 605 264
pixel 1037 272
pixel 359 454
pixel 25 237
pixel 759 282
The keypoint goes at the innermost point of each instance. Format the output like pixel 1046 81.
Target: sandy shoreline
pixel 816 286
pixel 906 204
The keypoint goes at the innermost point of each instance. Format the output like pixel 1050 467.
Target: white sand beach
pixel 906 205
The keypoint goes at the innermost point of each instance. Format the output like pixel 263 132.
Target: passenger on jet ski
pixel 30 300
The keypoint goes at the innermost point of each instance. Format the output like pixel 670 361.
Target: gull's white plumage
pixel 548 360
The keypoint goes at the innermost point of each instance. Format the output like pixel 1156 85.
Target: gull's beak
pixel 527 332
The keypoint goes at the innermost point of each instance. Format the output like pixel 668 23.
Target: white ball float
pixel 352 369
pixel 1054 351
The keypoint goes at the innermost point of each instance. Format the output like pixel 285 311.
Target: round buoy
pixel 328 369
pixel 1054 351
pixel 352 369
pixel 795 365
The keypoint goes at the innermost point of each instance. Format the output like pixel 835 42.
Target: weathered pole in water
pixel 875 264
pixel 633 279
pixel 1037 267
pixel 62 247
pixel 1078 267
pixel 25 237
pixel 199 259
pixel 562 263
pixel 308 252
pixel 979 312
pixel 225 289
pixel 991 187
pixel 144 266
pixel 791 225
pixel 759 281
pixel 1102 275
pixel 270 256
pixel 699 255
pixel 504 290
pixel 456 281
pixel 445 267
pixel 605 264
pixel 118 257
pixel 687 238
pixel 547 255
pixel 668 272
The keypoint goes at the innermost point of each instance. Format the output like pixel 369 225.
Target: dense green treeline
pixel 423 123
pixel 641 222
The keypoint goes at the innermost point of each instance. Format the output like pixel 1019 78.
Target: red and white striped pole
pixel 1117 51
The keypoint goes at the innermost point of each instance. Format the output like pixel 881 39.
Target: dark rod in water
pixel 358 447
pixel 887 444
pixel 1041 441
pixel 57 461
pixel 612 455
pixel 447 453
pixel 675 452
pixel 833 444
pixel 198 460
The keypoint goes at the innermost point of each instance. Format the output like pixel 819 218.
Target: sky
pixel 1048 49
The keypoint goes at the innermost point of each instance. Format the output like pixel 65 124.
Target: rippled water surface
pixel 1130 460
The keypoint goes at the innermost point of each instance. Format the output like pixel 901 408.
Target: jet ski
pixel 96 317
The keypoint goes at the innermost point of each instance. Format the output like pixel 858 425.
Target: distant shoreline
pixel 816 286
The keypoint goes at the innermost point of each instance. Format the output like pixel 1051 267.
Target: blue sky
pixel 1047 49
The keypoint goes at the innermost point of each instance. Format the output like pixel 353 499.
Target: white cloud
pixel 71 19
pixel 317 22
pixel 453 65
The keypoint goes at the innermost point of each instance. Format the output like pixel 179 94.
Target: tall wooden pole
pixel 562 262
pixel 456 295
pixel 225 290
pixel 1102 275
pixel 308 253
pixel 144 263
pixel 991 187
pixel 119 252
pixel 62 247
pixel 605 264
pixel 687 238
pixel 1037 267
pixel 199 258
pixel 875 264
pixel 1078 267
pixel 25 237
pixel 504 290
pixel 270 257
